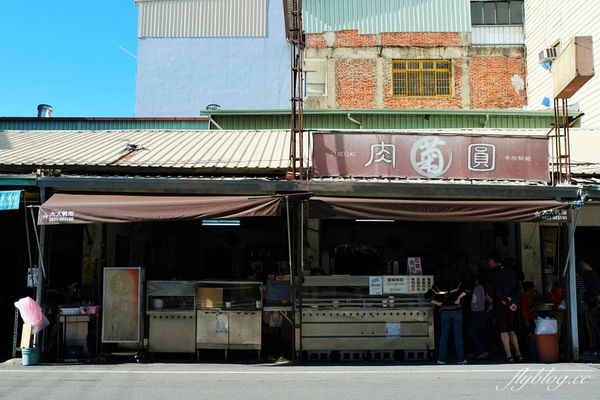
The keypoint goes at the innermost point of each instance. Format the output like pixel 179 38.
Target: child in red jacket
pixel 527 307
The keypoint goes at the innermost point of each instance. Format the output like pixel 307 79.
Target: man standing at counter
pixel 505 290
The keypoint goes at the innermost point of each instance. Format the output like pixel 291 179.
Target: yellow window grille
pixel 421 78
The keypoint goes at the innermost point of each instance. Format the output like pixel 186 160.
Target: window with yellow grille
pixel 421 78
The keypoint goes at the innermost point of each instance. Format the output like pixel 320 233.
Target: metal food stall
pixel 172 316
pixel 361 317
pixel 229 315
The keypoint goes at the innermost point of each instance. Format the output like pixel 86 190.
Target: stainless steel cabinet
pixel 172 332
pixel 229 329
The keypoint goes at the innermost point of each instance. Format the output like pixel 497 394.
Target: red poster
pixel 449 156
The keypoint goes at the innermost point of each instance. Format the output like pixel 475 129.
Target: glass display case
pixel 363 313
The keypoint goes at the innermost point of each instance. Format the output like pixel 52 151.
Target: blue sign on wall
pixel 9 199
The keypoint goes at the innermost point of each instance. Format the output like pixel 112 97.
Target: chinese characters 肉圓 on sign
pixel 431 156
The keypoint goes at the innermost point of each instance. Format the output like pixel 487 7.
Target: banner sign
pixel 9 199
pixel 121 305
pixel 449 156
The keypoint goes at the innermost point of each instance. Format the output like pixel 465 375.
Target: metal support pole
pixel 42 243
pixel 289 235
pixel 572 310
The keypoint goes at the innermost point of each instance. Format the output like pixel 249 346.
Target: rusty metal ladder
pixel 296 166
pixel 561 146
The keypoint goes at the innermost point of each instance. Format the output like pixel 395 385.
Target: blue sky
pixel 66 53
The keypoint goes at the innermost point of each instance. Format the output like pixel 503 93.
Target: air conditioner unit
pixel 548 55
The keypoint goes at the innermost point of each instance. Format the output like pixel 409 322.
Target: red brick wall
pixel 454 101
pixel 420 39
pixel 315 40
pixel 354 39
pixel 355 83
pixel 491 85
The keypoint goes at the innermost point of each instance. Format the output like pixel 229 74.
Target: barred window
pixel 421 78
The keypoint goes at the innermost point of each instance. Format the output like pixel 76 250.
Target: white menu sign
pixel 395 284
pixel 375 285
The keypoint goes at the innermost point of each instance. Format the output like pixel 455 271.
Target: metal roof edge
pixel 18 180
pixel 263 186
pixel 513 112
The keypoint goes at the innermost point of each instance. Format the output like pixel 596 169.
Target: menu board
pixel 121 305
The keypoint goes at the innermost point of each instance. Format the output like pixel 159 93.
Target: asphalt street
pixel 288 381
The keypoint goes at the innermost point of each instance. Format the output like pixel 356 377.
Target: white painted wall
pixel 547 21
pixel 179 77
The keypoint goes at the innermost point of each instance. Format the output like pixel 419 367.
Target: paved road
pixel 313 381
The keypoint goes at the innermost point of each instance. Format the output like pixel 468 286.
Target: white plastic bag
pixel 545 326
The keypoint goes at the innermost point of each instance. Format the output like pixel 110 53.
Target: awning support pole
pixel 289 235
pixel 41 243
pixel 572 301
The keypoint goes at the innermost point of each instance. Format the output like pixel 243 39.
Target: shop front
pixel 380 239
pixel 169 274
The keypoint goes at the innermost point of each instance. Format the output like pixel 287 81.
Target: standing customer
pixel 447 296
pixel 505 290
pixel 591 284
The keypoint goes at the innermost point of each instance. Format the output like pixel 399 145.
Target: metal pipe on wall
pixel 572 292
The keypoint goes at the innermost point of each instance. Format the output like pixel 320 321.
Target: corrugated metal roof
pixel 199 150
pixel 202 18
pixel 376 16
pixel 257 151
pixel 69 123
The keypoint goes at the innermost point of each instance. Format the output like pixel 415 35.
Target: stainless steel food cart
pixel 342 315
pixel 229 315
pixel 172 317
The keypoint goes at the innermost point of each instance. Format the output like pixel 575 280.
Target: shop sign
pixel 412 155
pixel 9 199
pixel 57 217
pixel 375 285
pixel 121 305
pixel 552 215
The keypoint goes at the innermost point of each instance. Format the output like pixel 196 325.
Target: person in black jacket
pixel 447 296
pixel 505 293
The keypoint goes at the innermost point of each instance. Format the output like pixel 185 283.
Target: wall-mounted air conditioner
pixel 548 55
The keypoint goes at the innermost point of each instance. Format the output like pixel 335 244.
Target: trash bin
pixel 533 354
pixel 547 347
pixel 31 355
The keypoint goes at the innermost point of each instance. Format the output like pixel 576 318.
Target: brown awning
pixel 93 208
pixel 438 210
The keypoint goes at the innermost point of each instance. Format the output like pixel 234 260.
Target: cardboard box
pixel 208 297
pixel 26 336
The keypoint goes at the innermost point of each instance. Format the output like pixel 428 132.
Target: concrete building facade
pixel 552 23
pixel 354 63
pixel 192 53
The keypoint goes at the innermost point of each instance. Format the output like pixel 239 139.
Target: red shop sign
pixel 449 156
